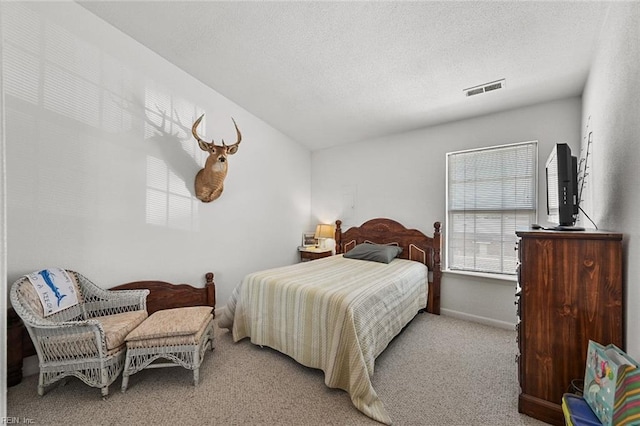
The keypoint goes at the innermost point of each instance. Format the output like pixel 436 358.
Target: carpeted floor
pixel 439 371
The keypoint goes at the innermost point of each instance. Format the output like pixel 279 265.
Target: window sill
pixel 499 277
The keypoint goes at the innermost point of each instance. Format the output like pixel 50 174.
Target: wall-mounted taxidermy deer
pixel 210 180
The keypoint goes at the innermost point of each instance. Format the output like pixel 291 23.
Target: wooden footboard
pixel 415 246
pixel 164 295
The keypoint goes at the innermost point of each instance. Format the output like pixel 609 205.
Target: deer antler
pixel 231 149
pixel 194 131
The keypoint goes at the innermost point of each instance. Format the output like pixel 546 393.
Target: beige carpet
pixel 439 371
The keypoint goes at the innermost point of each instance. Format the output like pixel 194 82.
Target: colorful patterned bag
pixel 612 385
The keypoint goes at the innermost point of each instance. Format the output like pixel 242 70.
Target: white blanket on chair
pixel 55 289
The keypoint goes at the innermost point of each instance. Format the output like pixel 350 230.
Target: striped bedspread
pixel 334 314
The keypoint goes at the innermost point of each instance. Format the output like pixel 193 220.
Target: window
pixel 490 193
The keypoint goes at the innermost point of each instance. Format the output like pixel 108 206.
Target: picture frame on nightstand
pixel 309 239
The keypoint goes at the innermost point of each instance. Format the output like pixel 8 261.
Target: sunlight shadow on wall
pixel 168 202
pixel 82 125
pixel 171 171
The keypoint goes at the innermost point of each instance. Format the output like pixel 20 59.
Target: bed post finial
pixel 437 244
pixel 338 236
pixel 434 295
pixel 210 287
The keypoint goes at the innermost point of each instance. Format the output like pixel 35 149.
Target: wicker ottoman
pixel 180 336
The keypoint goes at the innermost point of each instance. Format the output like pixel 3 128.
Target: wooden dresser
pixel 570 291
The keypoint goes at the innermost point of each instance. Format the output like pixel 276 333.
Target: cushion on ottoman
pixel 172 341
pixel 172 323
pixel 118 326
pixel 180 335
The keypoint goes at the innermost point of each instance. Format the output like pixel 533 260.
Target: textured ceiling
pixel 327 73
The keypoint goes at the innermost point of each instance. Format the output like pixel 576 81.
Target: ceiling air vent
pixel 483 88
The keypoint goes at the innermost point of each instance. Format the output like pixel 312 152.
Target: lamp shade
pixel 324 231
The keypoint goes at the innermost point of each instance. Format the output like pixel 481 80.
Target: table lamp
pixel 323 232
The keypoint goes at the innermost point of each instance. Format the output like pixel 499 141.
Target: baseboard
pixel 475 318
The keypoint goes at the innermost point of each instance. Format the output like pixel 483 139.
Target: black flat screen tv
pixel 562 188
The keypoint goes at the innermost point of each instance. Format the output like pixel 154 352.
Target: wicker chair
pixel 85 340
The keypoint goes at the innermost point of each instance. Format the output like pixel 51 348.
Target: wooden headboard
pixel 164 295
pixel 415 246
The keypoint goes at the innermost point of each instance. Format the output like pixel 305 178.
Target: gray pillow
pixel 374 252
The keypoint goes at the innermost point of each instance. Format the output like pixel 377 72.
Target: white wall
pixel 403 177
pixel 3 241
pixel 95 183
pixel 611 111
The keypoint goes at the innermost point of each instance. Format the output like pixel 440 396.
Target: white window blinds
pixel 490 193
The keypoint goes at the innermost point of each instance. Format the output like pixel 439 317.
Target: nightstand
pixel 312 253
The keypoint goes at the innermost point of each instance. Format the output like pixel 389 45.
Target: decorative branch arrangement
pixel 583 165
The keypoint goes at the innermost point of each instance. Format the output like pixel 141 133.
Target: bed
pixel 337 313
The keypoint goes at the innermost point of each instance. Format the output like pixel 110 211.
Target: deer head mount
pixel 210 180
